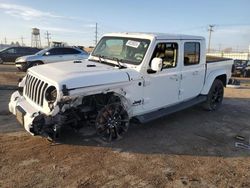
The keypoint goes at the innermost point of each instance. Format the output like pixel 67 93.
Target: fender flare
pixel 210 79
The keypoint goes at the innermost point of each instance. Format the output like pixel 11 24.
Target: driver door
pixel 162 88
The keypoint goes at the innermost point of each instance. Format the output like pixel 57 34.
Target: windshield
pixel 41 52
pixel 3 49
pixel 126 50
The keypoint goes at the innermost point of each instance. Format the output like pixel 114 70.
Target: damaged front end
pixel 44 109
pixel 35 107
pixel 105 112
pixel 70 114
pixel 46 126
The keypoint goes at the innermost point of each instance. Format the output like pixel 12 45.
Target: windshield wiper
pixel 102 60
pixel 100 56
pixel 119 62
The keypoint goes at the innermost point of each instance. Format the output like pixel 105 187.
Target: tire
pixel 22 68
pixel 112 122
pixel 1 61
pixel 244 74
pixel 215 96
pixel 247 73
pixel 36 64
pixel 33 64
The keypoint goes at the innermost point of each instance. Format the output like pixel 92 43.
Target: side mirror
pixel 156 64
pixel 47 53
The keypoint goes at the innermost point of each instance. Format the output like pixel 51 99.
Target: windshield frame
pixel 125 61
pixel 42 52
pixel 5 49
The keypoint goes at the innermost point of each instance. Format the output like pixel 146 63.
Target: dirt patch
pixel 10 79
pixel 9 75
pixel 191 148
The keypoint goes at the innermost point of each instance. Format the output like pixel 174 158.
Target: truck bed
pixel 214 59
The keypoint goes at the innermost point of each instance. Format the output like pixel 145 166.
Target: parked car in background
pixel 241 68
pixel 12 53
pixel 50 55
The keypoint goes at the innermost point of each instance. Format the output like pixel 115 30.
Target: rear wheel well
pixel 223 79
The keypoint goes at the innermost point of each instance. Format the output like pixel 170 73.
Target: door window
pixel 168 53
pixel 56 51
pixel 21 50
pixel 11 51
pixel 71 51
pixel 191 53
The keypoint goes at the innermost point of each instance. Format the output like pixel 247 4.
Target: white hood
pixel 84 74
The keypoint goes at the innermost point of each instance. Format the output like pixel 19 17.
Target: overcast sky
pixel 74 21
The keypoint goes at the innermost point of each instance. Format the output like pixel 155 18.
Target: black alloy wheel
pixel 112 122
pixel 215 96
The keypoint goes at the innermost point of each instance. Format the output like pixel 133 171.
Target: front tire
pixel 33 64
pixel 215 96
pixel 112 122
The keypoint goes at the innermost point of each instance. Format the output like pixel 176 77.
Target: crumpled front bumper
pixel 24 111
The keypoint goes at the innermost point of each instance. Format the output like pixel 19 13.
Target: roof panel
pixel 159 36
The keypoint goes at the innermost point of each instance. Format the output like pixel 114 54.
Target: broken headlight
pixel 51 94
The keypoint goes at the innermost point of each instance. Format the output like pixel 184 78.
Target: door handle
pixel 195 72
pixel 174 77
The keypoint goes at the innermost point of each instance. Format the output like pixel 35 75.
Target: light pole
pixel 210 30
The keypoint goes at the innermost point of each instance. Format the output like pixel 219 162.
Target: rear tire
pixel 215 96
pixel 245 74
pixel 1 61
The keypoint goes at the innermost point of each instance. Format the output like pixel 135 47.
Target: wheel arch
pixel 114 93
pixel 220 75
pixel 37 61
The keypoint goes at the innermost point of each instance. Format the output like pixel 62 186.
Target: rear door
pixel 22 51
pixel 192 70
pixel 70 54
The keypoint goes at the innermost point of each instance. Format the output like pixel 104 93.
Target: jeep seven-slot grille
pixel 35 89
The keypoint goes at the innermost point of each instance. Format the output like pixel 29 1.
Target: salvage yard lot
pixel 189 148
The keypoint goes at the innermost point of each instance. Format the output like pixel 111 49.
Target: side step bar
pixel 169 110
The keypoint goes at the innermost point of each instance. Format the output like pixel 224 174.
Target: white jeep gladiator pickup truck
pixel 128 76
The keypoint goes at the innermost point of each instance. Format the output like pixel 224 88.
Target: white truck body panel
pixel 215 69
